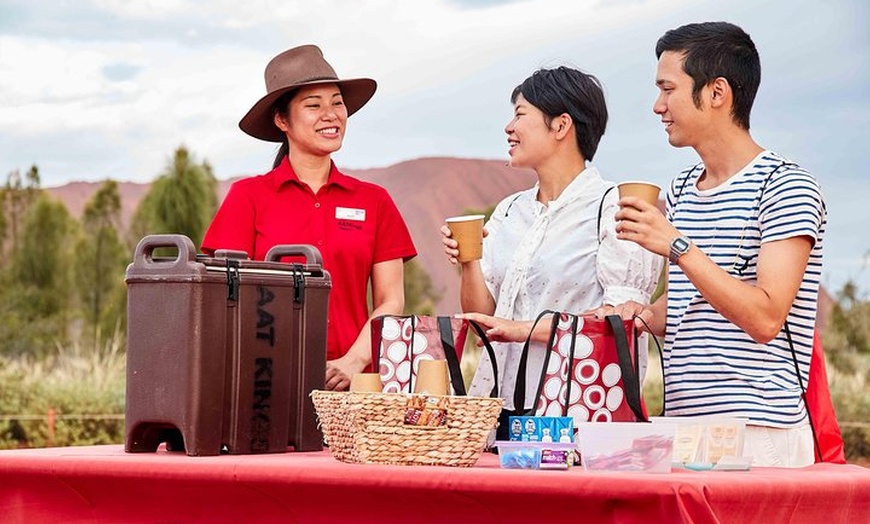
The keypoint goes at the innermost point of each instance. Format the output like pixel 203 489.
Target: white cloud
pixel 109 88
pixel 143 9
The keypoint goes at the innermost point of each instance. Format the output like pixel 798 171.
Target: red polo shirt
pixel 354 224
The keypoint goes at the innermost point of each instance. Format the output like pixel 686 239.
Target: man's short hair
pixel 717 49
pixel 566 90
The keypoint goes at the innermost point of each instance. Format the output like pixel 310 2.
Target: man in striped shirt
pixel 743 232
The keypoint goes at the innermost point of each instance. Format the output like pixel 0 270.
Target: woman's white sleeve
pixel 625 270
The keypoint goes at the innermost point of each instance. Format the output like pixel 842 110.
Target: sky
pixel 97 89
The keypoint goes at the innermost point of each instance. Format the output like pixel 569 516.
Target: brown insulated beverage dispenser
pixel 222 351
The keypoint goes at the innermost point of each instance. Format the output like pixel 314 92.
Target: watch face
pixel 680 244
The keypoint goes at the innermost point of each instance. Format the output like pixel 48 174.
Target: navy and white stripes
pixel 712 367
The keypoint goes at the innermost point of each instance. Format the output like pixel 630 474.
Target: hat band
pixel 316 79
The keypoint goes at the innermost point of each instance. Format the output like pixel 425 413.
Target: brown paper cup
pixel 646 191
pixel 468 232
pixel 366 382
pixel 432 377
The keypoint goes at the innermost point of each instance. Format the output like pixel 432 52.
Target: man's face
pixel 684 121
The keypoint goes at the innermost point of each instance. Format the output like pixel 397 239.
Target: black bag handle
pixel 661 358
pixel 413 377
pixel 489 351
pixel 554 328
pixel 629 373
pixel 520 387
pixel 446 334
pixel 445 328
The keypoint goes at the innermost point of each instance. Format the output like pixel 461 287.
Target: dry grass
pixel 83 386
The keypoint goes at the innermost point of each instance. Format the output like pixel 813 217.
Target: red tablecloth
pixel 104 484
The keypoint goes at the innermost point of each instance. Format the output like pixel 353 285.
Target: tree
pixel 420 296
pixel 34 312
pixel 101 257
pixel 16 197
pixel 182 200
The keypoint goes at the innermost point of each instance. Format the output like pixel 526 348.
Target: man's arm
pixel 759 309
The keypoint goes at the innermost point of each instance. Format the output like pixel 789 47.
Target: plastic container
pixel 626 446
pixel 514 454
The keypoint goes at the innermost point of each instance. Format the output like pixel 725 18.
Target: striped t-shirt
pixel 712 367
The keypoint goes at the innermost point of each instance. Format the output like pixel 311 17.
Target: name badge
pixel 349 213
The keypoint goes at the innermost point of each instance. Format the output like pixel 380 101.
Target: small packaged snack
pixel 558 455
pixel 426 411
pixel 541 429
pixel 515 454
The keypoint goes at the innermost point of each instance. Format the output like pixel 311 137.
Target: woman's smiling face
pixel 530 139
pixel 315 120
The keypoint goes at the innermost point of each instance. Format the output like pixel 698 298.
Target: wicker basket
pixel 369 428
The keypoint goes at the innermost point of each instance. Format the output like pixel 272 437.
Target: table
pixel 104 484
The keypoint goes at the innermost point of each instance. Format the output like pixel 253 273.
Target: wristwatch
pixel 679 247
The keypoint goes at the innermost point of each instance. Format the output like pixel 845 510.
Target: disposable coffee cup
pixel 366 383
pixel 646 191
pixel 432 377
pixel 467 230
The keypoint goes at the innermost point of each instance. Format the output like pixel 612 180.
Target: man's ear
pixel 720 92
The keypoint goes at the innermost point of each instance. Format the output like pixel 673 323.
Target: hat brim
pixel 259 122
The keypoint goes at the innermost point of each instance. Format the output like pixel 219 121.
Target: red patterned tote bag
pixel 400 342
pixel 589 371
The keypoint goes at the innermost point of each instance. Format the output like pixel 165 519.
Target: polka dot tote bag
pixel 589 371
pixel 400 342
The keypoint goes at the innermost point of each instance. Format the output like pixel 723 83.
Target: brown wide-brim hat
pixel 292 69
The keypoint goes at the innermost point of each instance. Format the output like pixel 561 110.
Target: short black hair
pixel 713 50
pixel 566 90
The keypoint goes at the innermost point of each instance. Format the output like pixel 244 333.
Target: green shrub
pixel 83 387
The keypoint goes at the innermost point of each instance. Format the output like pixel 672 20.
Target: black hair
pixel 566 90
pixel 713 50
pixel 282 106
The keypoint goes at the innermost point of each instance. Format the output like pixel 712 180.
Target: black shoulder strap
pixel 781 165
pixel 800 378
pixel 685 180
pixel 601 211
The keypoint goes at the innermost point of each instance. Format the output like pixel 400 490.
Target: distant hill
pixel 426 191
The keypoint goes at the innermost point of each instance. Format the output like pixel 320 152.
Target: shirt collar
pixel 284 173
pixel 582 183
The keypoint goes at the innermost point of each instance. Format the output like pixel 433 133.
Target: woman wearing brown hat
pixel 305 199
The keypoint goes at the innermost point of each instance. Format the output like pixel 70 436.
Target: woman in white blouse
pixel 553 246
